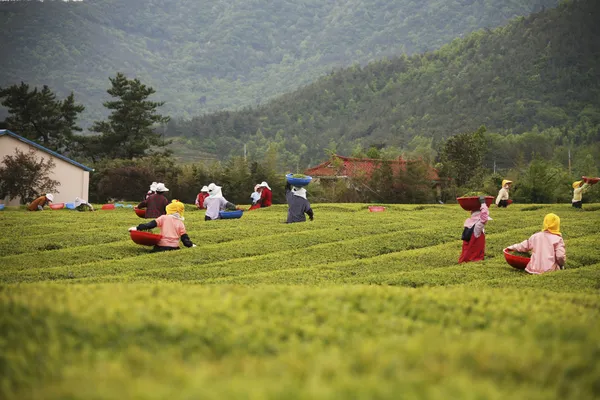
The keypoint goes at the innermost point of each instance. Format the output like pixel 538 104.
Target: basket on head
pixel 471 203
pixel 298 182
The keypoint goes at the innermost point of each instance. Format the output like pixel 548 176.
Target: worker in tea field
pixel 39 203
pixel 473 236
pixel 215 202
pixel 255 197
pixel 298 205
pixel 151 191
pixel 201 196
pixel 579 188
pixel 171 227
pixel 156 204
pixel 82 205
pixel 266 195
pixel 502 198
pixel 547 247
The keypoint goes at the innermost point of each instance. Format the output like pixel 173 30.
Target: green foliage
pixel 313 310
pixel 39 116
pixel 129 132
pixel 462 156
pixel 205 56
pixel 494 78
pixel 25 176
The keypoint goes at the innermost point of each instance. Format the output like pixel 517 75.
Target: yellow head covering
pixel 577 184
pixel 552 224
pixel 175 207
pixel 505 181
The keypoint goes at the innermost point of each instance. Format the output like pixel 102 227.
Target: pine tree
pixel 129 132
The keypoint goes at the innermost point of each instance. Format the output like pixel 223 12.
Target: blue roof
pixel 39 146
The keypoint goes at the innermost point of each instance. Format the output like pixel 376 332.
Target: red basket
pixel 108 206
pixel 140 212
pixel 518 262
pixel 472 203
pixel 145 238
pixel 376 208
pixel 590 181
pixel 57 206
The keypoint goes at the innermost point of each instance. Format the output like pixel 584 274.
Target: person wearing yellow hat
pixel 171 227
pixel 579 188
pixel 502 198
pixel 547 247
pixel 39 203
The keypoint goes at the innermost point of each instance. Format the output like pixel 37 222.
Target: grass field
pixel 352 305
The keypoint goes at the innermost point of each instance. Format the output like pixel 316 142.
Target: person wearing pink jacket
pixel 547 247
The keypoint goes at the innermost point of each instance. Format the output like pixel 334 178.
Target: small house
pixel 74 178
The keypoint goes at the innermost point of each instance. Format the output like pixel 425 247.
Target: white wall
pixel 74 181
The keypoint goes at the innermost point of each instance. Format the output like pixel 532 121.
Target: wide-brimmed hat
pixel 214 191
pixel 204 189
pixel 264 184
pixel 49 196
pixel 153 187
pixel 576 184
pixel 160 187
pixel 506 181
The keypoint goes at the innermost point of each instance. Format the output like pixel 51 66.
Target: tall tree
pixel 39 116
pixel 129 132
pixel 462 156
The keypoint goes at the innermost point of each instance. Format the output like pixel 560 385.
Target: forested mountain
pixel 204 55
pixel 537 72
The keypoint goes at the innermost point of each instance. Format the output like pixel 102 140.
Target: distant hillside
pixel 542 70
pixel 211 55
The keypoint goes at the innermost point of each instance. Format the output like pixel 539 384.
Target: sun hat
pixel 204 188
pixel 265 184
pixel 153 187
pixel 49 196
pixel 576 184
pixel 160 187
pixel 214 191
pixel 506 181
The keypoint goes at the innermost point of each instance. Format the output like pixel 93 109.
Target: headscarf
pixel 265 184
pixel 577 184
pixel 552 224
pixel 204 189
pixel 175 207
pixel 50 197
pixel 214 191
pixel 506 182
pixel 299 191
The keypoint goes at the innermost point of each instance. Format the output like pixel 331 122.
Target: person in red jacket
pixel 265 195
pixel 201 196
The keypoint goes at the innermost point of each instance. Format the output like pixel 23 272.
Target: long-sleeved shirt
pixel 266 197
pixel 578 192
pixel 171 228
pixel 40 201
pixel 200 199
pixel 479 219
pixel 547 252
pixel 297 207
pixel 502 195
pixel 215 204
pixel 155 205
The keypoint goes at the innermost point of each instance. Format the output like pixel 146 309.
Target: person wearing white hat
pixel 298 205
pixel 39 203
pixel 255 197
pixel 156 204
pixel 82 205
pixel 266 195
pixel 201 196
pixel 215 202
pixel 152 190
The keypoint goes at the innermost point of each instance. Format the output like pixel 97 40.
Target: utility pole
pixel 245 152
pixel 569 160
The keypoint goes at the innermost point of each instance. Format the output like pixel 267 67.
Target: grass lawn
pixel 352 305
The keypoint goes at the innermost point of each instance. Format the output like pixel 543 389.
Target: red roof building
pixel 349 167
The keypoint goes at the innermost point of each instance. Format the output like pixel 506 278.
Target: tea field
pixel 354 305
